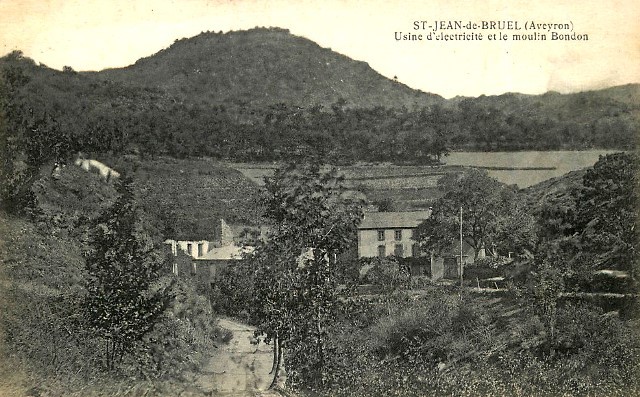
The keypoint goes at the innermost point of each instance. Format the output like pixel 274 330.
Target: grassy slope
pixel 42 270
pixel 38 270
pixel 555 191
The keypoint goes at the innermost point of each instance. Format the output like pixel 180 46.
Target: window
pixel 190 249
pixel 414 234
pixel 398 235
pixel 398 250
pixel 380 235
pixel 381 251
pixel 200 249
pixel 415 249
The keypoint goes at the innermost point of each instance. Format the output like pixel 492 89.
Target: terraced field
pixel 408 187
pixel 189 196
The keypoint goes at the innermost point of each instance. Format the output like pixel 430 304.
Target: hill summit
pixel 263 66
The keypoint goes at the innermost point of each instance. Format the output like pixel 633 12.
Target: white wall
pixel 184 245
pixel 368 242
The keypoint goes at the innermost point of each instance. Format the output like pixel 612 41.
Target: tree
pixel 312 220
pixel 606 212
pixel 30 139
pixel 493 217
pixel 15 180
pixel 389 277
pixel 125 298
pixel 385 204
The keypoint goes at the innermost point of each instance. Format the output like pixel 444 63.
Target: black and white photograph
pixel 349 198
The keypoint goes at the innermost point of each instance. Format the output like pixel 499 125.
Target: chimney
pixel 226 234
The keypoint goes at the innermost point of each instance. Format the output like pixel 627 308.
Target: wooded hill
pixel 261 67
pixel 265 94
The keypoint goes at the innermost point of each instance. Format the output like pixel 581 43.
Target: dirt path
pixel 239 368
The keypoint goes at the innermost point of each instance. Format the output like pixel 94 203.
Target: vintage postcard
pixel 305 198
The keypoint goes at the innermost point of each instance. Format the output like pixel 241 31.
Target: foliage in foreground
pixel 46 336
pixel 445 344
pixel 124 296
pixel 312 221
pixel 532 340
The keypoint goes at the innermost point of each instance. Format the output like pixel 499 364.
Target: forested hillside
pixel 606 118
pixel 265 94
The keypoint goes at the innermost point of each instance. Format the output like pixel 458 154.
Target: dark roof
pixel 393 220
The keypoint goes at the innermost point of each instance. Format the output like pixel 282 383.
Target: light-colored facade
pixel 194 249
pixel 221 248
pixel 200 248
pixel 383 234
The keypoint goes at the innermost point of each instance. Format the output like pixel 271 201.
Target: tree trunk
pixel 320 347
pixel 120 352
pixel 106 355
pixel 275 355
pixel 276 373
pixel 112 358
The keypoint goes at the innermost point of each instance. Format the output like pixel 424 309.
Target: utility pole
pixel 461 269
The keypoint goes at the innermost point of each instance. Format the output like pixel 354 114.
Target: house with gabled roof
pixel 390 233
pixel 382 234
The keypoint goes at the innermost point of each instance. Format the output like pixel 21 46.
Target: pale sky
pixel 93 35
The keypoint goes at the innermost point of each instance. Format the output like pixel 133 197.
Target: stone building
pixel 382 234
pixel 205 256
pixel 389 233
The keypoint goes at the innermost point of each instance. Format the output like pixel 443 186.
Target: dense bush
pixel 602 282
pixel 449 344
pixel 183 337
pixel 45 334
pixel 232 290
pixel 387 274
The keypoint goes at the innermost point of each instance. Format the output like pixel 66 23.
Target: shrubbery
pixel 182 338
pixel 232 290
pixel 488 267
pixel 447 344
pixel 46 335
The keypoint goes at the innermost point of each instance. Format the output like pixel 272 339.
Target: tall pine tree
pixel 125 298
